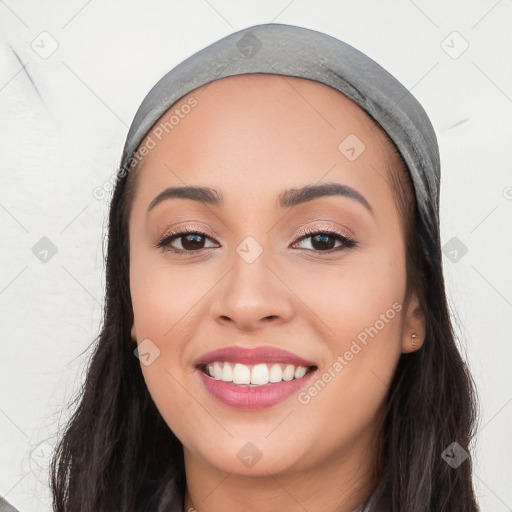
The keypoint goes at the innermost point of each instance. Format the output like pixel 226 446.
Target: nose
pixel 251 295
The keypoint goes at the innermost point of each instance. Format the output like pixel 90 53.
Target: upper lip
pixel 237 354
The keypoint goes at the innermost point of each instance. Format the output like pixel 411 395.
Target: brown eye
pixel 184 241
pixel 324 241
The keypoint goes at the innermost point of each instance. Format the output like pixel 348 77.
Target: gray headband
pixel 298 52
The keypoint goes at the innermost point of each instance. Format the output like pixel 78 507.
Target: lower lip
pixel 258 397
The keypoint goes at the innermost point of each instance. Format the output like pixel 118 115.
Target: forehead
pixel 262 96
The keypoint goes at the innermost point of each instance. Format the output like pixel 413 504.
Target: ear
pixel 134 332
pixel 414 324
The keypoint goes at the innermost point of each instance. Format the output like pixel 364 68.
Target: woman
pixel 274 264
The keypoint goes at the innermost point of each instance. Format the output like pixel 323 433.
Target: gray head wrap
pixel 299 52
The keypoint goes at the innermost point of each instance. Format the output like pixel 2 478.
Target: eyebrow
pixel 287 199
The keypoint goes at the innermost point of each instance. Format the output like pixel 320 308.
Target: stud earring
pixel 413 340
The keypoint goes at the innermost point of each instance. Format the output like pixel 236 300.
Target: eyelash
pixel 170 236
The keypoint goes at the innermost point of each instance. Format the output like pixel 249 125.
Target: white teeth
pixel 241 374
pixel 217 371
pixel 289 372
pixel 260 375
pixel 227 373
pixel 276 374
pixel 300 371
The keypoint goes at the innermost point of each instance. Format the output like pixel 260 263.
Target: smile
pixel 260 374
pixel 253 378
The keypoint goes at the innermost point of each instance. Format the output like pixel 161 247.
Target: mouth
pixel 253 378
pixel 256 375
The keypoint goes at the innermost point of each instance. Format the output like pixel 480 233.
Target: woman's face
pixel 333 301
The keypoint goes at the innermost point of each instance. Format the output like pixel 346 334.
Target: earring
pixel 413 341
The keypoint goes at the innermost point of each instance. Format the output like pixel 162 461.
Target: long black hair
pixel 117 453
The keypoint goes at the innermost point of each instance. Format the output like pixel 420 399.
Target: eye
pixel 187 240
pixel 324 240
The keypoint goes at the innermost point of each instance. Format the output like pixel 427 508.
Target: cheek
pixel 167 302
pixel 163 296
pixel 351 295
pixel 371 319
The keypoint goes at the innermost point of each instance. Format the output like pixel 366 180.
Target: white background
pixel 63 123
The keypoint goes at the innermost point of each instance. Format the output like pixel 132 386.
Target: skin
pixel 250 137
